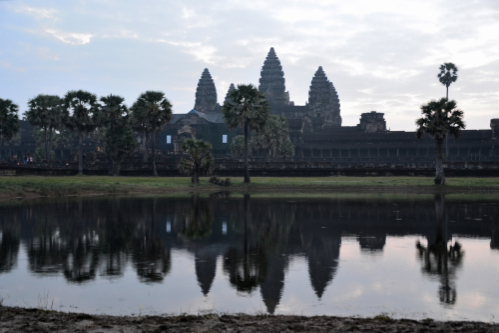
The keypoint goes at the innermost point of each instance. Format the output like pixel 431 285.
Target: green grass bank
pixel 38 186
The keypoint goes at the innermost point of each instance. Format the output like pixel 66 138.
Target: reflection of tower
pixel 206 267
pixel 372 243
pixel 323 260
pixel 272 286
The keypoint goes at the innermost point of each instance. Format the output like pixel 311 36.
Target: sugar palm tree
pixel 44 112
pixel 248 108
pixel 79 112
pixel 151 112
pixel 447 75
pixel 200 161
pixel 9 120
pixel 113 115
pixel 438 119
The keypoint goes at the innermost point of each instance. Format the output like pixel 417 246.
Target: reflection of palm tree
pixel 198 219
pixel 81 260
pixel 45 253
pixel 246 268
pixel 151 259
pixel 116 238
pixel 438 260
pixel 9 248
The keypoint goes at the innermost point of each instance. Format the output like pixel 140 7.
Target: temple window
pixel 168 139
pixel 224 138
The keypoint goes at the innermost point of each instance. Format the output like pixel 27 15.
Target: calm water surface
pixel 414 256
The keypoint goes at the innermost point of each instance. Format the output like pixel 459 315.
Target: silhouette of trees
pixel 119 141
pixel 200 161
pixel 9 120
pixel 248 108
pixel 80 108
pixel 439 119
pixel 45 112
pixel 150 113
pixel 447 75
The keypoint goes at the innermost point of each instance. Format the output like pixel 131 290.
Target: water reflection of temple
pixel 254 240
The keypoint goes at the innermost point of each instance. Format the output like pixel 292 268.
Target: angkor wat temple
pixel 316 128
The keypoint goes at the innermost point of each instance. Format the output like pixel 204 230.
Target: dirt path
pixel 34 320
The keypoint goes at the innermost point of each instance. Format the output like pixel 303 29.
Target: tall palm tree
pixel 80 110
pixel 447 75
pixel 44 112
pixel 247 107
pixel 9 120
pixel 151 112
pixel 200 161
pixel 438 119
pixel 113 114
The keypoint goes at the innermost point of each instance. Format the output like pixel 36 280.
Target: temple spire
pixel 206 94
pixel 272 82
pixel 231 89
pixel 323 101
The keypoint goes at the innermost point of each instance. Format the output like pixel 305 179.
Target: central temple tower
pixel 272 82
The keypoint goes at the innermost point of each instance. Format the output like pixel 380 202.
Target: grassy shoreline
pixel 40 186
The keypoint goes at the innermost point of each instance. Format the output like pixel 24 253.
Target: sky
pixel 381 55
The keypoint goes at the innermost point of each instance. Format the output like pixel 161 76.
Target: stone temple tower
pixel 231 89
pixel 206 94
pixel 323 101
pixel 272 82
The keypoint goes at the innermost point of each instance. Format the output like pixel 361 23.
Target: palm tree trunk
pixel 111 155
pixel 80 153
pixel 50 144
pixel 246 170
pixel 154 171
pixel 447 134
pixel 46 145
pixel 439 173
pixel 144 147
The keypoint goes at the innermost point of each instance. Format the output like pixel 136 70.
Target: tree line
pixel 245 107
pixel 57 120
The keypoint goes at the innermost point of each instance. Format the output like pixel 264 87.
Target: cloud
pixel 383 54
pixel 69 37
pixel 39 13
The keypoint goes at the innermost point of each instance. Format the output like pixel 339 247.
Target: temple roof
pixel 206 94
pixel 214 118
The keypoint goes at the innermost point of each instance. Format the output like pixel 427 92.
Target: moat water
pixel 346 255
